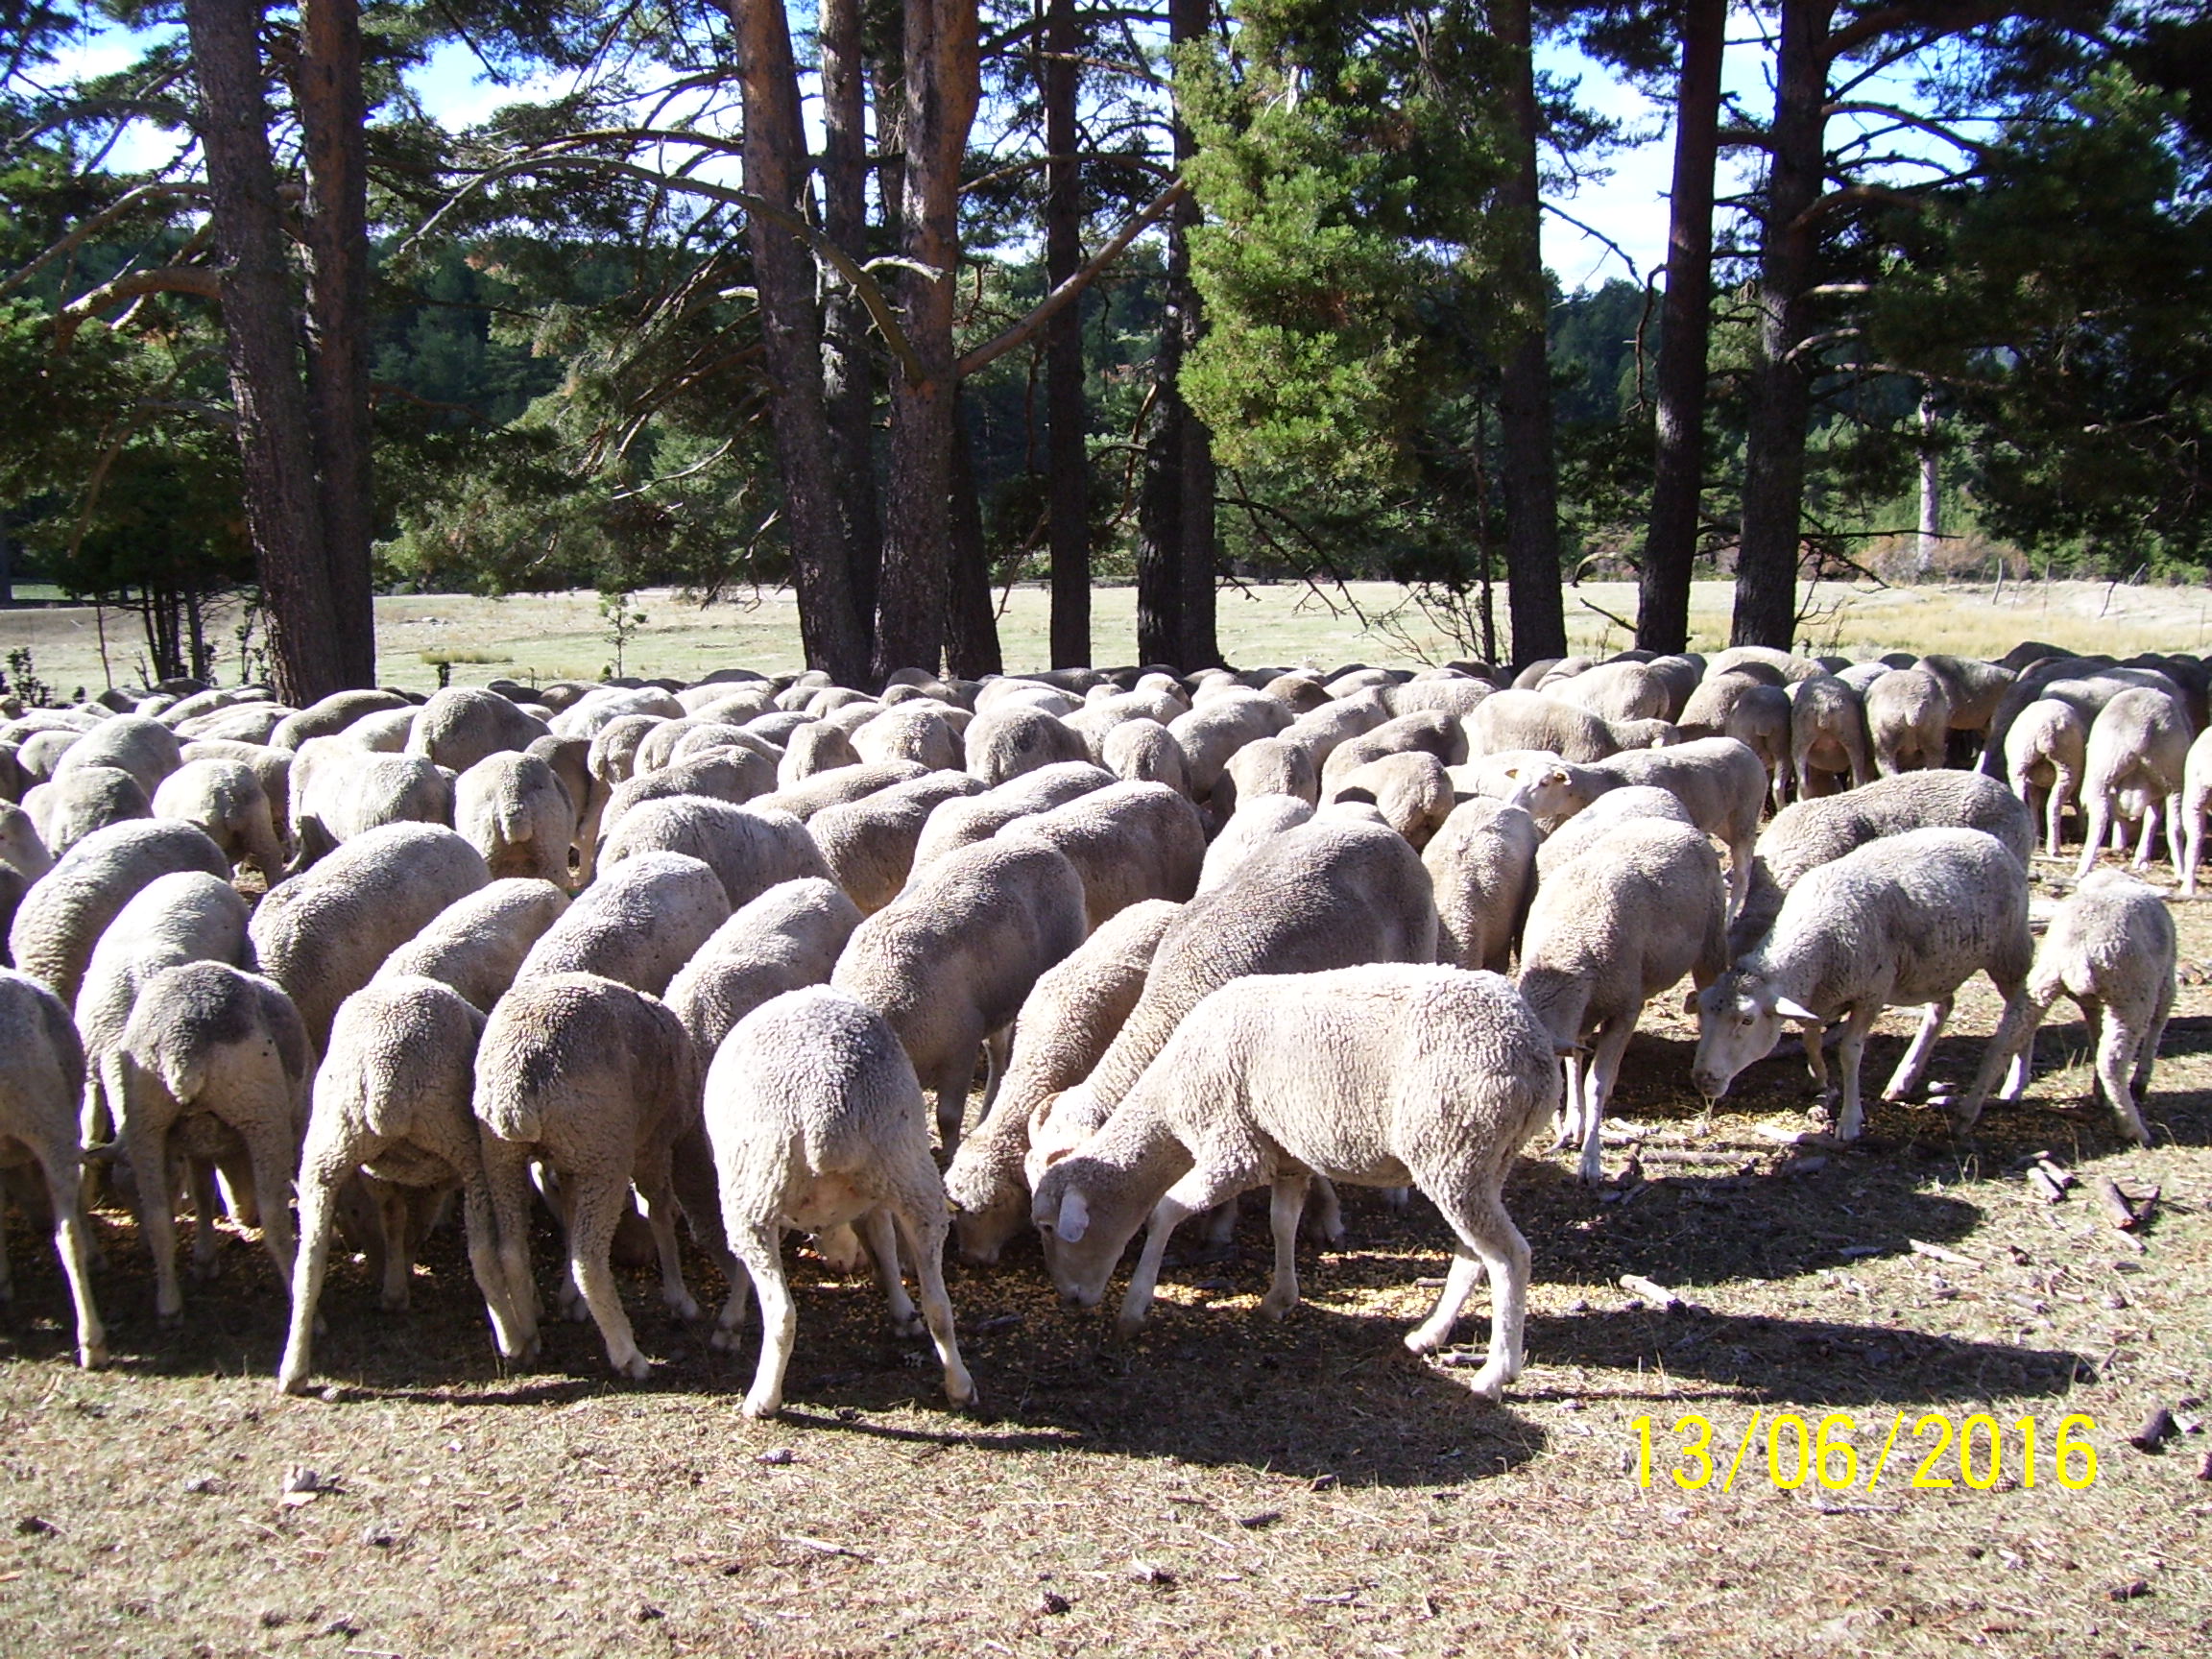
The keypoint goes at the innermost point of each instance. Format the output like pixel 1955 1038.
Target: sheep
pixel 338 793
pixel 462 725
pixel 1411 790
pixel 1810 833
pixel 213 1056
pixel 1607 932
pixel 226 797
pixel 1601 817
pixel 512 808
pixel 63 916
pixel 949 961
pixel 1267 766
pixel 789 936
pixel 570 760
pixel 732 775
pixel 1251 823
pixel 386 733
pixel 1909 718
pixel 1481 864
pixel 272 767
pixel 1301 693
pixel 1619 690
pixel 2111 947
pixel 323 934
pixel 2045 750
pixel 476 944
pixel 20 848
pixel 615 746
pixel 41 1078
pixel 1143 751
pixel 391 1102
pixel 815 747
pixel 2137 753
pixel 1757 716
pixel 1974 690
pixel 1066 1023
pixel 1904 920
pixel 76 803
pixel 1321 730
pixel 815 1116
pixel 592 712
pixel 659 747
pixel 331 715
pixel 1129 842
pixel 871 843
pixel 1454 696
pixel 1532 720
pixel 1424 730
pixel 254 723
pixel 1786 665
pixel 1379 1075
pixel 841 784
pixel 1217 727
pixel 967 819
pixel 2085 684
pixel 132 743
pixel 917 730
pixel 1827 734
pixel 1009 738
pixel 41 752
pixel 1719 780
pixel 636 925
pixel 598 1082
pixel 751 848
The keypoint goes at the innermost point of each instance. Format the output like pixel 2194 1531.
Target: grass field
pixel 564 637
pixel 1221 1485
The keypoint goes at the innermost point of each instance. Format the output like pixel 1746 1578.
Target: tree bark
pixel 943 84
pixel 970 617
pixel 275 452
pixel 776 167
pixel 1175 512
pixel 333 126
pixel 1528 469
pixel 1779 391
pixel 848 379
pixel 1066 463
pixel 1685 320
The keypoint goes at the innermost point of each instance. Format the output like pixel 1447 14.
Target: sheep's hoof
pixel 170 1320
pixel 393 1304
pixel 913 1325
pixel 91 1356
pixel 637 1367
pixel 1421 1341
pixel 763 1405
pixel 203 1269
pixel 961 1399
pixel 683 1308
pixel 1277 1308
pixel 1127 1326
pixel 292 1382
pixel 724 1341
pixel 1489 1383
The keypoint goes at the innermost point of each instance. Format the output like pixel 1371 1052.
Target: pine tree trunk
pixel 1931 483
pixel 1160 515
pixel 776 167
pixel 1067 465
pixel 1685 318
pixel 848 385
pixel 1529 471
pixel 943 83
pixel 970 617
pixel 1780 392
pixel 275 450
pixel 333 126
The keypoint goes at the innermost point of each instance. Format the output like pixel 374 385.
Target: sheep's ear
pixel 1075 1217
pixel 1789 1010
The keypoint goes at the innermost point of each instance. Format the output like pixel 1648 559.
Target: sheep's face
pixel 1739 1019
pixel 1082 1231
pixel 983 1232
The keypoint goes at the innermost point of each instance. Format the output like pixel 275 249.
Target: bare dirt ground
pixel 1221 1485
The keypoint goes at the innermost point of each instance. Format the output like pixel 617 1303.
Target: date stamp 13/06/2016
pixel 1977 1451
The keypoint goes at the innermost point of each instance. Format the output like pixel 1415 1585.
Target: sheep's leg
pixel 1221 1224
pixel 483 1238
pixel 2097 824
pixel 507 1181
pixel 1739 869
pixel 2174 828
pixel 1850 1120
pixel 149 1148
pixel 1597 1089
pixel 1488 1236
pixel 2148 837
pixel 390 1201
pixel 58 1162
pixel 1325 1215
pixel 2152 1031
pixel 952 1099
pixel 206 1242
pixel 596 1210
pixel 760 1249
pixel 656 1188
pixel 2192 845
pixel 883 1246
pixel 2009 1055
pixel 692 1172
pixel 1285 1203
pixel 1201 1189
pixel 1570 1132
pixel 270 1145
pixel 1914 1066
pixel 1815 1040
pixel 923 1230
pixel 998 1052
pixel 317 1195
pixel 2116 1051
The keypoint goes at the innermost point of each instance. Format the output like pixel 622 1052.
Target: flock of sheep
pixel 657 949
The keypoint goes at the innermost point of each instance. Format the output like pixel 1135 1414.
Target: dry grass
pixel 1222 1486
pixel 564 636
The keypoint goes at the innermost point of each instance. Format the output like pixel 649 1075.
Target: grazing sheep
pixel 1973 688
pixel 1786 665
pixel 339 793
pixel 1254 822
pixel 636 925
pixel 816 1121
pixel 1422 731
pixel 1217 727
pixel 1411 790
pixel 871 843
pixel 391 1106
pixel 386 733
pixel 1321 730
pixel 1909 718
pixel 20 848
pixel 815 747
pixel 40 752
pixel 1810 833
pixel 41 1079
pixel 132 743
pixel 2110 947
pixel 254 723
pixel 1481 866
pixel 570 760
pixel 1903 921
pixel 967 819
pixel 839 785
pixel 1267 766
pixel 1827 736
pixel 1143 750
pixel 63 916
pixel 914 731
pixel 1757 716
pixel 592 712
pixel 322 935
pixel 1379 1075
pixel 1065 1026
pixel 226 799
pixel 1534 720
pixel 477 943
pixel 790 936
pixel 332 715
pixel 1452 695
pixel 212 1057
pixel 674 740
pixel 1720 782
pixel 1619 690
pixel 271 766
pixel 751 848
pixel 1607 932
pixel 949 961
pixel 1601 817
pixel 512 808
pixel 2137 753
pixel 79 801
pixel 615 746
pixel 1129 842
pixel 1009 738
pixel 597 1082
pixel 2045 750
pixel 733 775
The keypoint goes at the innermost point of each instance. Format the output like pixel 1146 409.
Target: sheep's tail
pixel 182 1068
pixel 512 1114
pixel 381 1111
pixel 516 824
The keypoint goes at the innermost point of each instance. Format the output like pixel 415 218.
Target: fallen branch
pixel 1936 1253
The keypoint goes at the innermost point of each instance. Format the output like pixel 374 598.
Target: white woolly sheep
pixel 816 1121
pixel 1411 790
pixel 1252 822
pixel 2111 947
pixel 132 743
pixel 2137 753
pixel 815 747
pixel 838 784
pixel 1379 1075
pixel 871 843
pixel 2045 750
pixel 1607 932
pixel 1908 719
pixel 1757 716
pixel 1828 736
pixel 212 1057
pixel 41 1079
pixel 1129 842
pixel 226 797
pixel 386 732
pixel 332 715
pixel 1452 695
pixel 1601 818
pixel 513 809
pixel 463 724
pixel 339 793
pixel 20 848
pixel 1009 738
pixel 477 943
pixel 78 801
pixel 1720 782
pixel 636 925
pixel 789 936
pixel 1481 866
pixel 1619 691
pixel 1904 921
pixel 1143 751
pixel 967 819
pixel 1267 766
pixel 736 775
pixel 1219 725
pixel 1534 720
pixel 63 916
pixel 751 848
pixel 1424 730
pixel 914 731
pixel 1320 730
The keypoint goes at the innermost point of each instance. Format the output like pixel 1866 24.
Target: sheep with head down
pixel 60 919
pixel 41 1078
